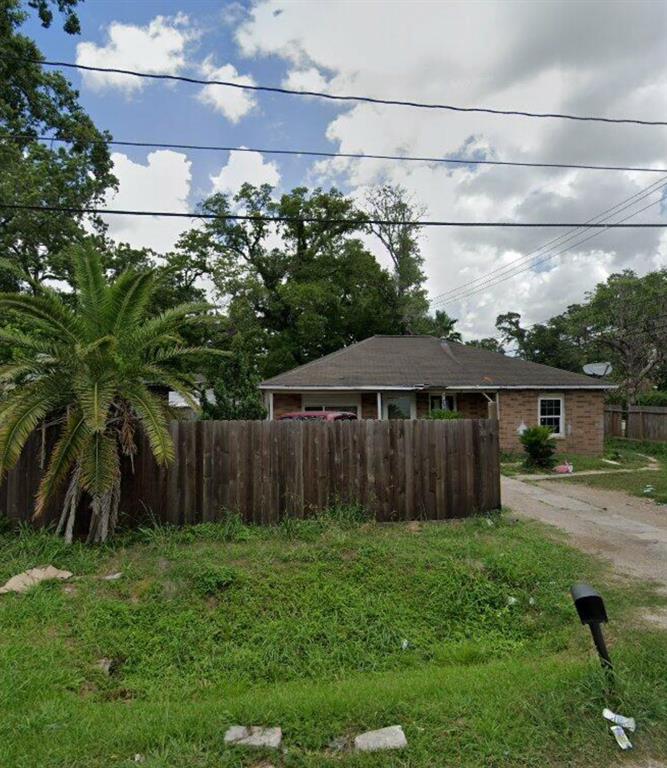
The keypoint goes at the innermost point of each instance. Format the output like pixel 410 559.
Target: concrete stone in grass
pixel 391 737
pixel 254 736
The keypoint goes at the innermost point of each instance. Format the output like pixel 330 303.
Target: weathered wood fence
pixel 638 422
pixel 398 470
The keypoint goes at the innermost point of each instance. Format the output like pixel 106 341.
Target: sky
pixel 590 57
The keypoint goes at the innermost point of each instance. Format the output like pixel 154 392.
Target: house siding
pixel 472 405
pixel 584 419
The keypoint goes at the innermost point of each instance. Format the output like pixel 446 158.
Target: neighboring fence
pixel 398 470
pixel 614 421
pixel 645 422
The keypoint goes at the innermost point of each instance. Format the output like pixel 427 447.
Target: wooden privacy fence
pixel 398 470
pixel 638 422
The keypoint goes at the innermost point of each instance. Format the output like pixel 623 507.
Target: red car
pixel 318 416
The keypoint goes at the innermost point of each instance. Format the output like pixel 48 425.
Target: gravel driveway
pixel 629 531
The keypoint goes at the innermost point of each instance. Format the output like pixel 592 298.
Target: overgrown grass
pixel 463 632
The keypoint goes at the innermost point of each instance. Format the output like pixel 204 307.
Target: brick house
pixel 406 377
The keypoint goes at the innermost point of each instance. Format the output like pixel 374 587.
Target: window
pixel 398 406
pixel 551 413
pixel 442 402
pixel 342 407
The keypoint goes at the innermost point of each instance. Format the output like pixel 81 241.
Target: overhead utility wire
pixel 316 220
pixel 615 209
pixel 341 97
pixel 601 227
pixel 345 155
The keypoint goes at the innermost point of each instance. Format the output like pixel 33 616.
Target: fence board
pixel 638 422
pixel 398 470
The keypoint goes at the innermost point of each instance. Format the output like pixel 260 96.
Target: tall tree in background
pixel 393 208
pixel 623 321
pixel 35 102
pixel 297 289
pixel 442 325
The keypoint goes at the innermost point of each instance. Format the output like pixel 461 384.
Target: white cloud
pixel 162 184
pixel 158 48
pixel 233 103
pixel 244 167
pixel 542 57
pixel 310 79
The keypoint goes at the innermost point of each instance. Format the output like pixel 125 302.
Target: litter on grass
pixel 625 722
pixel 22 582
pixel 621 738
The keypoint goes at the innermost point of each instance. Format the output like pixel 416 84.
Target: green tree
pixel 297 289
pixel 93 368
pixel 392 209
pixel 489 342
pixel 235 391
pixel 77 174
pixel 442 325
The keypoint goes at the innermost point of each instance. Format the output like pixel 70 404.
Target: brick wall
pixel 284 402
pixel 472 405
pixel 422 405
pixel 584 419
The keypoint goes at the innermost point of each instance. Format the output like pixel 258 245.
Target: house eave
pixel 419 388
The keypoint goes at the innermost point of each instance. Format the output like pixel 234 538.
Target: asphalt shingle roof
pixel 424 361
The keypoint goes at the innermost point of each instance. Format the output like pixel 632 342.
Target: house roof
pixel 417 362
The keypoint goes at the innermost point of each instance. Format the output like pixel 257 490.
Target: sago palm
pixel 95 366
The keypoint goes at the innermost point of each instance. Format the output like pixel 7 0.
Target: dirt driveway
pixel 629 531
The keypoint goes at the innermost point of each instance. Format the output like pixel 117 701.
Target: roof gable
pixel 418 362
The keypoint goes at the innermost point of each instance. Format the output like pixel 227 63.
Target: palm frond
pixel 169 322
pixel 176 351
pixel 21 414
pixel 50 315
pixel 63 457
pixel 23 341
pixel 99 463
pixel 152 414
pixel 128 298
pixel 90 281
pixel 182 383
pixel 94 398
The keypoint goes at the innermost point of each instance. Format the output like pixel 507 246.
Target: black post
pixel 598 639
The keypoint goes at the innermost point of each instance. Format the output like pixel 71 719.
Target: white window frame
pixel 553 396
pixel 322 400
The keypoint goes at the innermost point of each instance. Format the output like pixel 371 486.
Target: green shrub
pixel 441 415
pixel 657 398
pixel 540 447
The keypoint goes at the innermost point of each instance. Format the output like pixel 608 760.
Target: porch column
pixel 270 409
pixel 379 402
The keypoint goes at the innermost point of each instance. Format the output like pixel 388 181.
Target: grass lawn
pixel 635 483
pixel 625 454
pixel 305 626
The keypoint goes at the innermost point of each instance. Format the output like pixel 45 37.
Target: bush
pixel 540 447
pixel 208 580
pixel 440 415
pixel 657 398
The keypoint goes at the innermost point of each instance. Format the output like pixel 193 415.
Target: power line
pixel 315 220
pixel 341 97
pixel 516 267
pixel 551 256
pixel 345 155
pixel 617 208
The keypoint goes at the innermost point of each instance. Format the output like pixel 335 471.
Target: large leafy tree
pixel 299 288
pixel 76 174
pixel 390 210
pixel 95 367
pixel 622 321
